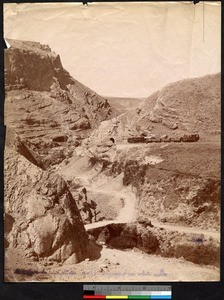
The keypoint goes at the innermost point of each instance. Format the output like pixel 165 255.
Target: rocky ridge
pixel 190 105
pixel 49 114
pixel 46 107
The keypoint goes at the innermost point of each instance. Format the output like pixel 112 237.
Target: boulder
pixel 46 222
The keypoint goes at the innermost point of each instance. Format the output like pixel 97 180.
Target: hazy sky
pixel 124 49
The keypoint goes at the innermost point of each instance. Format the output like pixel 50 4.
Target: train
pixel 187 138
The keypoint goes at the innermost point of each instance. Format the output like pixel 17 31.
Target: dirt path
pixel 171 227
pixel 116 265
pixel 128 212
pixel 186 229
pixel 113 264
pixel 97 183
pixel 115 188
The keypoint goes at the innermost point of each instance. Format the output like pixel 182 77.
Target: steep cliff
pixel 44 219
pixel 45 105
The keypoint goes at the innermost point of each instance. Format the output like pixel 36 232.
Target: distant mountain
pixel 123 104
pixel 44 104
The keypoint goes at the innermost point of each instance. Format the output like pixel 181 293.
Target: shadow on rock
pixel 94 250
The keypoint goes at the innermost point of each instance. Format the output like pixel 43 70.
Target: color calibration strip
pixel 133 297
pixel 119 292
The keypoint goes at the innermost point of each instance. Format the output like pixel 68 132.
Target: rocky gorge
pixel 157 202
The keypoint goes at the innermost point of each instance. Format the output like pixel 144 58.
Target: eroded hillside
pixel 157 203
pixel 190 105
pixel 178 184
pixel 45 105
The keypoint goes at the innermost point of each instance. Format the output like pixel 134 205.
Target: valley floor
pixel 115 266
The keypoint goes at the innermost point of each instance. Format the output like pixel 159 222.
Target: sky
pixel 124 49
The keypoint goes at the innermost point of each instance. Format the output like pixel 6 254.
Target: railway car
pixel 187 138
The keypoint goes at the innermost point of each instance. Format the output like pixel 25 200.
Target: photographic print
pixel 113 136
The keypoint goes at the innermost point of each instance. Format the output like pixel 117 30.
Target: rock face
pixel 190 105
pixel 126 236
pixel 194 247
pixel 183 199
pixel 182 188
pixel 41 216
pixel 43 101
pixel 14 141
pixel 34 66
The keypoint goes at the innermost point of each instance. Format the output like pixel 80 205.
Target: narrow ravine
pixel 99 183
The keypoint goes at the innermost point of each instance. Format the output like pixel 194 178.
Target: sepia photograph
pixel 112 160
